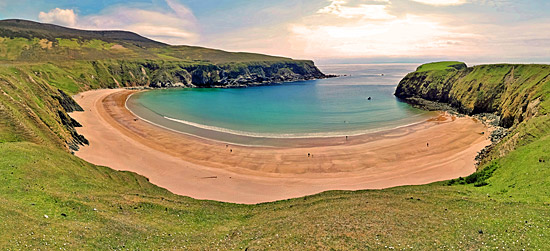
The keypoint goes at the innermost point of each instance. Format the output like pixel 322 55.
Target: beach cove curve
pixel 265 115
pixel 206 169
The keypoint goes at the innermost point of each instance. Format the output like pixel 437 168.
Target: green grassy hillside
pixel 446 65
pixel 141 61
pixel 22 40
pixel 513 91
pixel 50 199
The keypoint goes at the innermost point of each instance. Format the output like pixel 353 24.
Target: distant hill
pixel 30 29
pixel 23 40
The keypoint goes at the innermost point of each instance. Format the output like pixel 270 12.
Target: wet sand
pixel 207 169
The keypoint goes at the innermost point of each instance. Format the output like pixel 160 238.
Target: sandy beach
pixel 207 169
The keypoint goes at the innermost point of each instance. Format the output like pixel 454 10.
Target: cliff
pixel 178 74
pixel 514 92
pixel 518 94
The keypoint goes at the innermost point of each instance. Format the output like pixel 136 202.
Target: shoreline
pixel 334 134
pixel 244 174
pixel 242 139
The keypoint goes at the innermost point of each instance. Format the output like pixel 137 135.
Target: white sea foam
pixel 289 135
pixel 360 76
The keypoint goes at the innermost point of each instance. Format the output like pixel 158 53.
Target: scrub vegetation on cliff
pixel 51 199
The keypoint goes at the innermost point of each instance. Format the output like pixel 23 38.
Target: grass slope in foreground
pixel 96 207
pixel 50 199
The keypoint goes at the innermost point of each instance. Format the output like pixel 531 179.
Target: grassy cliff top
pixel 29 41
pixel 445 65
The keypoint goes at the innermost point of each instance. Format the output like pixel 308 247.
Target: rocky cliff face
pixel 515 92
pixel 69 105
pixel 174 74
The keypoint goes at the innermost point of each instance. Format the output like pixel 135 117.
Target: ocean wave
pixel 289 135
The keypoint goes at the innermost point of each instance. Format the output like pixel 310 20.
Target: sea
pixel 360 101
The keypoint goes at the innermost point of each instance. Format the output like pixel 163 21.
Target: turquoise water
pixel 328 107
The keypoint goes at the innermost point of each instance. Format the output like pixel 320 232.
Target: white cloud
pixel 176 25
pixel 410 35
pixel 344 29
pixel 367 11
pixel 350 29
pixel 181 10
pixel 59 16
pixel 441 2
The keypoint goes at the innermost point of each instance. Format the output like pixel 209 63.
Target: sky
pixel 342 31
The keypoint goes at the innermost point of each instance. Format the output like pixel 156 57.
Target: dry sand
pixel 206 169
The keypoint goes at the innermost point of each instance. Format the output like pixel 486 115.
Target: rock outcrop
pixel 177 74
pixel 68 104
pixel 511 91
